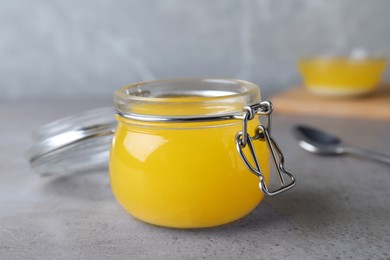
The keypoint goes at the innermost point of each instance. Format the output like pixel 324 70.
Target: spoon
pixel 319 142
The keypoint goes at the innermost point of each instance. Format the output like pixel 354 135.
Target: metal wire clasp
pixel 262 133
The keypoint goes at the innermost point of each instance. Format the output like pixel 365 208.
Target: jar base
pixel 172 225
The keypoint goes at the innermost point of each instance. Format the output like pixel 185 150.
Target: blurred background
pixel 89 48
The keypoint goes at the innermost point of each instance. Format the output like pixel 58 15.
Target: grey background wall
pixel 78 48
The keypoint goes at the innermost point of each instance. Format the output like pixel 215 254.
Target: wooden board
pixel 299 101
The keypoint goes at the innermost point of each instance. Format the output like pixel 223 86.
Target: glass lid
pixel 76 143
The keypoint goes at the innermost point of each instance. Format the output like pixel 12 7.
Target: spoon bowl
pixel 316 141
pixel 322 143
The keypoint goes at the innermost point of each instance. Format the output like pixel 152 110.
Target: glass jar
pixel 185 153
pixel 174 159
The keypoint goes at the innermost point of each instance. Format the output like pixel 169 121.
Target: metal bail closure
pixel 262 133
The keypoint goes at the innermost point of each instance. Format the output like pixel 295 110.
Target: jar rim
pixel 185 97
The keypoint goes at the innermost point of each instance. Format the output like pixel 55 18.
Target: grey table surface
pixel 339 209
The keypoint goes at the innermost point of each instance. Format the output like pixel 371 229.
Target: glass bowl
pixel 342 75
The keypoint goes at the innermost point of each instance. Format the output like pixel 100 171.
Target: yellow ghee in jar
pixel 184 175
pixel 173 159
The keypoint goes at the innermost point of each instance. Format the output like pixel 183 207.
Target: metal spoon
pixel 319 142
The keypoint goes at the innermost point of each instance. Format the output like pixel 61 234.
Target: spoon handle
pixel 368 154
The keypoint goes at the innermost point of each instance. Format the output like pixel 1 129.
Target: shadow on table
pixel 88 186
pixel 309 208
pixel 290 211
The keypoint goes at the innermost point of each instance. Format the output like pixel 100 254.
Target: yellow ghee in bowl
pixel 342 76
